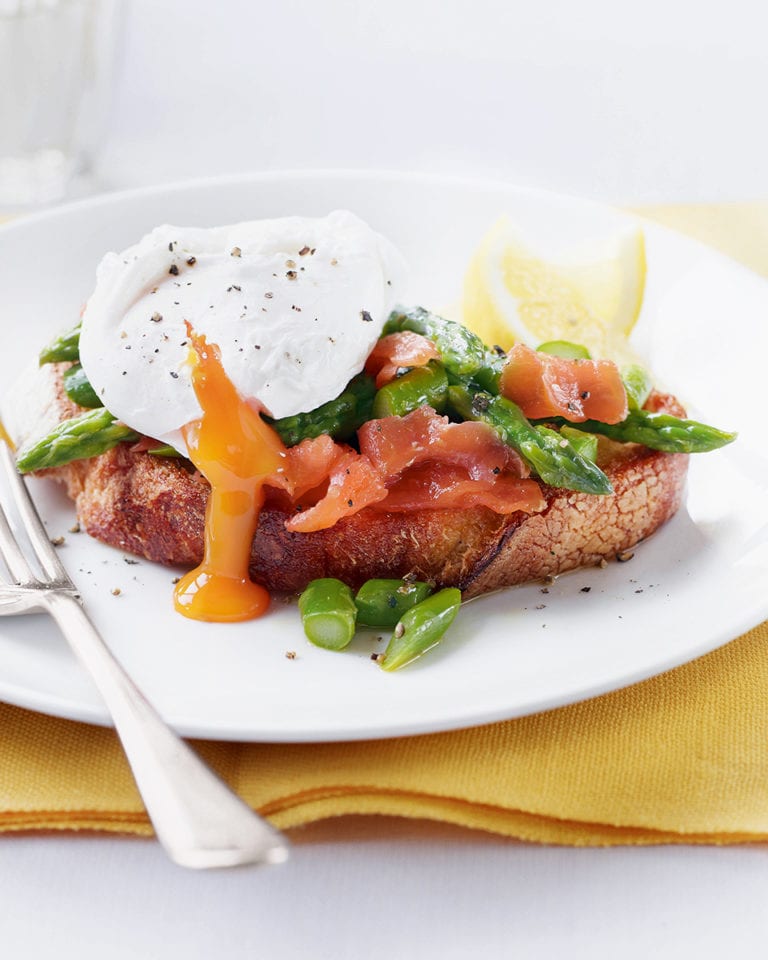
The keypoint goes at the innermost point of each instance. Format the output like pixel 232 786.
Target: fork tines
pixel 19 567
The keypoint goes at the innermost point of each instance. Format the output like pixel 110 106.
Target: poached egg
pixel 294 305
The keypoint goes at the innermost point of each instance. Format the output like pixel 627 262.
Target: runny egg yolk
pixel 236 451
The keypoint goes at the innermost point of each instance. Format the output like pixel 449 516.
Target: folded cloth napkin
pixel 680 758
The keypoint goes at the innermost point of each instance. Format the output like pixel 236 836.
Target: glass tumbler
pixel 57 62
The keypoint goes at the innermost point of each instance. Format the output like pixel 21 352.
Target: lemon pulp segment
pixel 591 297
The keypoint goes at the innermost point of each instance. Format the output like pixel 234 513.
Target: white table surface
pixel 641 103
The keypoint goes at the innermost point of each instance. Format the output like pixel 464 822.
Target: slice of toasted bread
pixel 155 507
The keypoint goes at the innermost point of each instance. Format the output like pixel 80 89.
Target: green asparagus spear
pixel 660 431
pixel 585 444
pixel 565 349
pixel 420 628
pixel 549 454
pixel 487 377
pixel 463 353
pixel 638 385
pixel 340 417
pixel 381 603
pixel 78 388
pixel 87 435
pixel 165 450
pixel 328 613
pixel 64 347
pixel 422 385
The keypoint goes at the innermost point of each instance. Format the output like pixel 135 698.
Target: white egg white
pixel 295 306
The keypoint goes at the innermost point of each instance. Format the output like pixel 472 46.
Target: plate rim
pixel 94 716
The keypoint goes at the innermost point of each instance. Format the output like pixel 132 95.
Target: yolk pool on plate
pixel 236 451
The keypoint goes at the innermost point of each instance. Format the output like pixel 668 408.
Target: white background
pixel 659 101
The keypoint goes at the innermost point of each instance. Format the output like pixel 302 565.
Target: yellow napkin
pixel 680 758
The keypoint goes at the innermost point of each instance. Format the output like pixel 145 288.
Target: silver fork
pixel 199 821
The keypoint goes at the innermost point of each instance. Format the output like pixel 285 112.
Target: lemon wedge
pixel 592 295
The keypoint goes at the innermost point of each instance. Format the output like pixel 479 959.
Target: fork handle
pixel 199 821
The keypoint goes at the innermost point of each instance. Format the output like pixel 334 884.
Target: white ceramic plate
pixel 695 585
